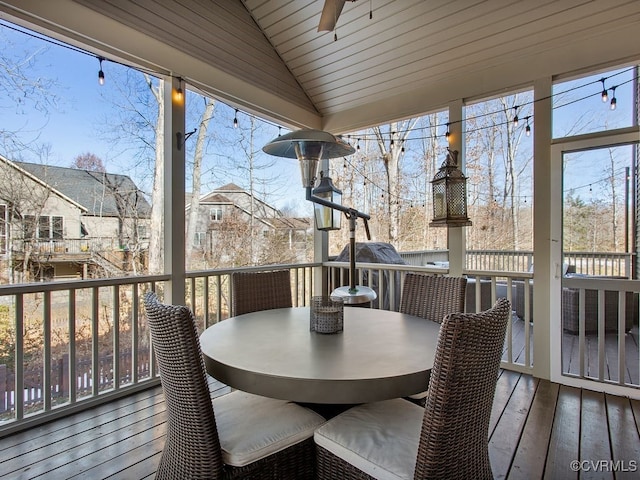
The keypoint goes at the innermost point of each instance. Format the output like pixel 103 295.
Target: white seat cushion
pixel 380 438
pixel 419 396
pixel 251 427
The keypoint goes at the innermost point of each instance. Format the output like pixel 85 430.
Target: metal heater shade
pixel 450 195
pixel 308 146
pixel 327 218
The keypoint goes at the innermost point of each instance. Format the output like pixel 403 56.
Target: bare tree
pixel 391 153
pixel 156 237
pixel 127 199
pixel 88 161
pixel 196 180
pixel 21 91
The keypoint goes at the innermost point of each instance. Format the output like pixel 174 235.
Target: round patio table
pixel 379 355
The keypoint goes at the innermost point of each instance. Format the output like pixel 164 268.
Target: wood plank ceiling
pixel 411 56
pixel 408 45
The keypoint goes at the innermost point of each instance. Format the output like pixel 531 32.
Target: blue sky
pixel 77 125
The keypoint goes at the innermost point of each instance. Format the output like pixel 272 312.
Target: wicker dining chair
pixel 431 297
pixel 238 435
pixel 254 291
pixel 448 439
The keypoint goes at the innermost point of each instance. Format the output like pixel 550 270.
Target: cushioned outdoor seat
pixel 448 438
pixel 238 435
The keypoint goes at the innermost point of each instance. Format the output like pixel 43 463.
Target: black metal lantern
pixel 327 218
pixel 450 194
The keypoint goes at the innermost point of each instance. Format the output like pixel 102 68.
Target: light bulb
pixel 100 72
pixel 178 95
pixel 614 102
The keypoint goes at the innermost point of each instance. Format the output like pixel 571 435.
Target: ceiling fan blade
pixel 330 13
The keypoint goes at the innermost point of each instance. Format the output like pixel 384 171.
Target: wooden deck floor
pixel 537 429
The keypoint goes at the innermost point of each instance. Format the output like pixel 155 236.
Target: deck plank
pixel 507 381
pixel 68 456
pixel 594 435
pixel 532 449
pixel 78 423
pixel 564 442
pixel 506 435
pixel 536 429
pixel 625 441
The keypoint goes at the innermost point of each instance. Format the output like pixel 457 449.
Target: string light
pixel 604 94
pixel 614 102
pixel 515 116
pixel 100 72
pixel 447 134
pixel 605 97
pixel 235 119
pixel 527 129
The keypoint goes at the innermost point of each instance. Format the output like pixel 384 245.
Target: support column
pixel 547 243
pixel 174 179
pixel 456 240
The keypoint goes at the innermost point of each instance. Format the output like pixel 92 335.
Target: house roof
pixel 36 179
pixel 293 223
pixel 231 189
pixel 101 194
pixel 391 59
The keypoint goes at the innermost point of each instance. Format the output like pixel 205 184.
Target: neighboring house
pixel 232 213
pixel 71 223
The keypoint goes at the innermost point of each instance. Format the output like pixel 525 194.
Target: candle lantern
pixel 327 218
pixel 450 194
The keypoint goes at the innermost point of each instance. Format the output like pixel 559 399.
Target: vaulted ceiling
pixel 391 59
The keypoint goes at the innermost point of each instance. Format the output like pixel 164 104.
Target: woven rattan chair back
pixel 432 297
pixel 192 447
pixel 454 437
pixel 254 291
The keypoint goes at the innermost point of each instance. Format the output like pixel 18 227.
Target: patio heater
pixel 309 147
pixel 450 194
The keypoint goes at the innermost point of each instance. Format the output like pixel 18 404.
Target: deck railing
pixel 69 345
pixel 83 245
pixel 95 330
pixel 586 263
pixel 72 344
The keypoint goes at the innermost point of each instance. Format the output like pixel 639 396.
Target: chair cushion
pixel 251 427
pixel 419 396
pixel 380 438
